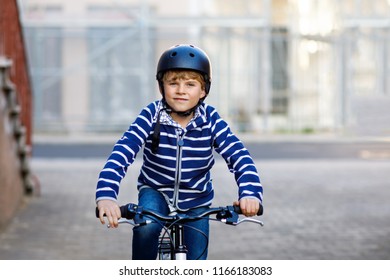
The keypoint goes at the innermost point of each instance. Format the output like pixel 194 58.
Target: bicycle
pixel 171 245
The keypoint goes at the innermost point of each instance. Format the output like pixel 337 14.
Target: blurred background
pixel 298 80
pixel 278 66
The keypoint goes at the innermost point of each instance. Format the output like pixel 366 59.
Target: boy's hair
pixel 184 74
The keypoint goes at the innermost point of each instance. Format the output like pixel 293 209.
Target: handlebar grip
pixel 237 209
pixel 124 212
pixel 97 212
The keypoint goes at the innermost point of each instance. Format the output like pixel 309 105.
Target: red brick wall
pixel 12 47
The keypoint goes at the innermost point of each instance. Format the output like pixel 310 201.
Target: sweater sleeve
pixel 238 159
pixel 123 154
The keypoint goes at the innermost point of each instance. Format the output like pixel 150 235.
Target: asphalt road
pixel 259 150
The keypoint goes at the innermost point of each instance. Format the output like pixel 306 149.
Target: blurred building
pixel 278 65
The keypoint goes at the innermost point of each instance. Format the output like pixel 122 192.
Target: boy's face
pixel 183 90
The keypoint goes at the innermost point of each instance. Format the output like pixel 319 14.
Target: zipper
pixel 179 153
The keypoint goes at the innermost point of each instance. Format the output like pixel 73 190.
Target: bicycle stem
pixel 180 250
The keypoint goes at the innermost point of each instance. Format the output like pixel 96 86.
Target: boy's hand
pixel 249 206
pixel 112 211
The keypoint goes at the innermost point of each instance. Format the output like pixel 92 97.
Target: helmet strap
pixel 181 113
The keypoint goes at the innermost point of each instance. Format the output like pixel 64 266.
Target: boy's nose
pixel 181 88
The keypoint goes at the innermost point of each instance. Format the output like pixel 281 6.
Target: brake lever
pixel 124 221
pixel 250 220
pixel 138 222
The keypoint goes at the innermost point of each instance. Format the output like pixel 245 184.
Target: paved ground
pixel 262 150
pixel 314 209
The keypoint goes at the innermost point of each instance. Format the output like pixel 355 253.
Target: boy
pixel 179 133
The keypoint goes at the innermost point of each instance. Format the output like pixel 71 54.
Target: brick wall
pixel 11 183
pixel 15 114
pixel 12 47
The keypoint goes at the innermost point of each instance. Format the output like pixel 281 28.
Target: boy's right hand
pixel 112 211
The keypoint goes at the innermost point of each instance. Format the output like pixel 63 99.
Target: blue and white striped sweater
pixel 191 148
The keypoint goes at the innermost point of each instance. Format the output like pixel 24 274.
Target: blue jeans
pixel 145 238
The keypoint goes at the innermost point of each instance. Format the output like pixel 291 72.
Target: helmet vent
pixel 174 54
pixel 192 55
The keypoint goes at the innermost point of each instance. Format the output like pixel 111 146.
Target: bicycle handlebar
pixel 229 213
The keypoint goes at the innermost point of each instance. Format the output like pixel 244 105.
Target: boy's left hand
pixel 249 206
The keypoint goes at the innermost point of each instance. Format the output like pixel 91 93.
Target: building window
pixel 280 78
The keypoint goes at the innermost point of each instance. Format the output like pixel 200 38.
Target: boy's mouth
pixel 180 99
